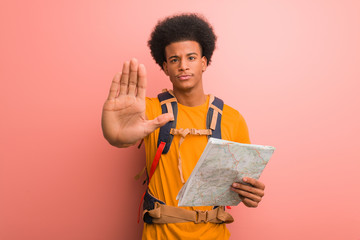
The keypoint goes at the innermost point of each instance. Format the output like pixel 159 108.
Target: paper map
pixel 221 164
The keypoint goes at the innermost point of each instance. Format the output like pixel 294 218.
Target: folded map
pixel 221 164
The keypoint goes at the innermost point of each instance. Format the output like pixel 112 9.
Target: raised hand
pixel 123 117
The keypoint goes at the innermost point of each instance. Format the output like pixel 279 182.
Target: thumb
pixel 159 121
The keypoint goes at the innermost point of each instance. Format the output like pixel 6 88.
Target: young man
pixel 182 46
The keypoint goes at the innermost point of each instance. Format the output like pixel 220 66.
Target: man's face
pixel 184 65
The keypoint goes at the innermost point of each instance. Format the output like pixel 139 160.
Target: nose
pixel 183 65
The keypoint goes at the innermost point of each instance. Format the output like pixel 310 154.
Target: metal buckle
pixel 201 216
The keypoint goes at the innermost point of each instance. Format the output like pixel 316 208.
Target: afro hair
pixel 183 27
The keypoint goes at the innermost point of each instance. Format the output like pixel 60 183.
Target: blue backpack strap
pixel 167 100
pixel 213 119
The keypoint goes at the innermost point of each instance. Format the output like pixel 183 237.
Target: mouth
pixel 184 76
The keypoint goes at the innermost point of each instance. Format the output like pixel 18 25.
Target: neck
pixel 190 98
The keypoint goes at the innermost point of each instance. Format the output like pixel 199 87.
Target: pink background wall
pixel 292 68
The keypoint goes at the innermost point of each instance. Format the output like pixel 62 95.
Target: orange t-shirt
pixel 166 182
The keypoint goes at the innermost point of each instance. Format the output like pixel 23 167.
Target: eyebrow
pixel 176 56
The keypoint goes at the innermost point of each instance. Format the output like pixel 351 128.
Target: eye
pixel 174 60
pixel 191 58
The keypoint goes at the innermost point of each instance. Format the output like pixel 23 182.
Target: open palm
pixel 123 117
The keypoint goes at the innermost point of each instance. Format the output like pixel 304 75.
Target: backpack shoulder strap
pixel 168 105
pixel 213 119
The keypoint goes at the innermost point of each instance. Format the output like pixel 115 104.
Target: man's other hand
pixel 250 195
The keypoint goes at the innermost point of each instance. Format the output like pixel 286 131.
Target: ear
pixel 204 63
pixel 165 68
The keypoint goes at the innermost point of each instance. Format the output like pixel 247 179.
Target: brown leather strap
pixel 170 100
pixel 169 214
pixel 168 90
pixel 191 131
pixel 215 112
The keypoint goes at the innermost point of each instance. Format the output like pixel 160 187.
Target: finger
pixel 133 79
pixel 124 80
pixel 248 195
pixel 161 120
pixel 250 189
pixel 114 88
pixel 141 84
pixel 254 182
pixel 249 203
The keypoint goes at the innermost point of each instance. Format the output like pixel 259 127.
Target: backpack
pixel 156 211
